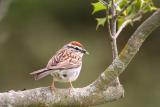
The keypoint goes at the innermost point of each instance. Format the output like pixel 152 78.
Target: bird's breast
pixel 66 75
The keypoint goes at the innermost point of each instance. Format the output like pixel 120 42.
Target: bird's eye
pixel 64 75
pixel 76 48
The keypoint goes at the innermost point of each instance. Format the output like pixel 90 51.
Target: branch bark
pixel 100 91
pixel 113 26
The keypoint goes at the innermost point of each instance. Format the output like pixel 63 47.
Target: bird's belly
pixel 66 75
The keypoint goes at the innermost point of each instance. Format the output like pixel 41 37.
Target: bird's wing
pixel 56 58
pixel 63 60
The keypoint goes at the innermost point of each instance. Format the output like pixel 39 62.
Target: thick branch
pixel 94 94
pixel 139 36
pixel 133 45
pixel 100 91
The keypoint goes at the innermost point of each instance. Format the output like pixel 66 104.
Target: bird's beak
pixel 87 52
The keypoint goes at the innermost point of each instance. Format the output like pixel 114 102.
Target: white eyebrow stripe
pixel 78 47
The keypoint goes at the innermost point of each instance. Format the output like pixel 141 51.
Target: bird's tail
pixel 40 73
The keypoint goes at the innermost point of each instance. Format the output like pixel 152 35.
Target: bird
pixel 64 66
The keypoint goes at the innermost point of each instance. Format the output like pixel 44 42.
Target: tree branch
pixel 131 18
pixel 93 94
pixel 100 91
pixel 113 26
pixel 139 36
pixel 125 23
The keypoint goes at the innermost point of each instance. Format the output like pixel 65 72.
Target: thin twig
pixel 125 24
pixel 109 24
pixel 124 8
pixel 109 29
pixel 113 30
pixel 122 26
pixel 129 19
pixel 104 3
pixel 107 16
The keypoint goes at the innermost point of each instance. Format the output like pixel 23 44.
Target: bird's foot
pixel 71 89
pixel 53 89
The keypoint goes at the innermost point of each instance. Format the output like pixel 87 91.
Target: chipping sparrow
pixel 65 65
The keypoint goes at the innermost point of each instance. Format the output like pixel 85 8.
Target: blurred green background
pixel 33 30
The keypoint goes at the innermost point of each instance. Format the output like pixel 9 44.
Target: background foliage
pixel 33 31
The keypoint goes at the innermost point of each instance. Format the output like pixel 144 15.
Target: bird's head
pixel 77 47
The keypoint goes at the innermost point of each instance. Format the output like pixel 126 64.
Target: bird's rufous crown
pixel 76 43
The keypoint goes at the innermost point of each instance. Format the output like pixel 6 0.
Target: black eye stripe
pixel 77 48
pixel 74 48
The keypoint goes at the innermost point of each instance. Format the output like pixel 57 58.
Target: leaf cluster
pixel 125 10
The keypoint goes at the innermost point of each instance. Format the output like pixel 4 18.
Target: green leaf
pixel 129 10
pixel 139 4
pixel 150 8
pixel 98 7
pixel 100 22
pixel 153 8
pixel 123 3
pixel 120 21
pixel 118 8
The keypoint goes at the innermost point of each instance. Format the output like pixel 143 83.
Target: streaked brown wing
pixel 56 58
pixel 64 60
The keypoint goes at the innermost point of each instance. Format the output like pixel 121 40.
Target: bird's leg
pixel 53 88
pixel 71 87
